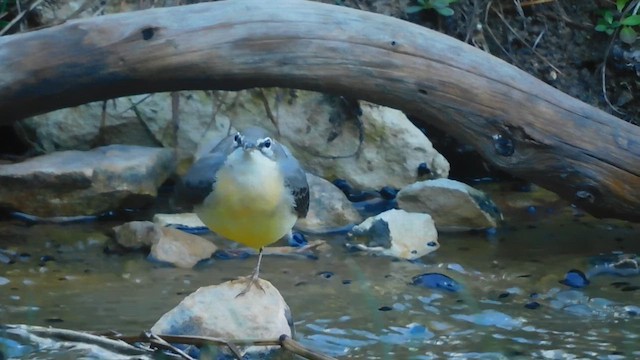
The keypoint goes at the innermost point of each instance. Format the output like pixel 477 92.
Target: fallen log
pixel 516 122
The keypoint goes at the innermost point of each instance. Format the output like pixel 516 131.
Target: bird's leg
pixel 253 278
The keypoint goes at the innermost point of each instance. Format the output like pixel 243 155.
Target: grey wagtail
pixel 249 188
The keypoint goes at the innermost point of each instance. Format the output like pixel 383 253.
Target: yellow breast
pixel 250 203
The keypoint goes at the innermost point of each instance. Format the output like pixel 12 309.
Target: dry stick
pixel 110 343
pixel 493 36
pixel 284 341
pixel 158 341
pixel 19 17
pixel 472 21
pixel 267 109
pixel 535 2
pixel 525 43
pixel 295 347
pixel 606 57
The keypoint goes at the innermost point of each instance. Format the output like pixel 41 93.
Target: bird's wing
pixel 296 179
pixel 198 182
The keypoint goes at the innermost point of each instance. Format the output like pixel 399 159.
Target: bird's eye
pixel 237 138
pixel 266 143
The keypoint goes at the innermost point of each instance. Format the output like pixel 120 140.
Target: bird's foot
pixel 253 281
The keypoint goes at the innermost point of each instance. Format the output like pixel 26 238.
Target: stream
pixel 509 303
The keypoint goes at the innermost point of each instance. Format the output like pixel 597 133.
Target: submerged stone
pixel 491 318
pixel 575 279
pixel 436 281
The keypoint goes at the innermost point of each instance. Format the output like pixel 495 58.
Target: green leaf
pixel 602 27
pixel 422 2
pixel 632 20
pixel 439 3
pixel 413 9
pixel 628 35
pixel 445 11
pixel 608 16
pixel 620 4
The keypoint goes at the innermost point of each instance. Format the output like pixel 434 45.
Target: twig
pixel 284 341
pixel 160 342
pixel 535 2
pixel 525 43
pixel 606 56
pixel 267 109
pixel 493 36
pixel 295 347
pixel 20 16
pixel 110 343
pixel 472 21
pixel 535 43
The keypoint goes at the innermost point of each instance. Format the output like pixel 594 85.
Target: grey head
pixel 200 179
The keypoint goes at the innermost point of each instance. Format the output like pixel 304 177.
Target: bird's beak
pixel 248 146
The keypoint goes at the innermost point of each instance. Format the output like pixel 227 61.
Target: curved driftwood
pixel 515 121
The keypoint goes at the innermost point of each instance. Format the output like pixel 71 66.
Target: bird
pixel 249 188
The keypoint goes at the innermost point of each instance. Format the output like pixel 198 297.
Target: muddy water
pixel 355 306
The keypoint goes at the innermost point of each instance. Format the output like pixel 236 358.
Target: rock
pixel 322 131
pixel 328 207
pixel 144 120
pixel 397 233
pixel 215 311
pixel 167 244
pixel 453 205
pixel 436 281
pixel 181 249
pixel 187 220
pixel 79 128
pixel 137 234
pixel 71 183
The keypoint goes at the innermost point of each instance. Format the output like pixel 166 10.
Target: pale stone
pixel 322 131
pixel 454 206
pixel 181 249
pixel 72 183
pixel 328 207
pixel 216 311
pixel 397 233
pixel 168 245
pixel 188 220
pixel 137 234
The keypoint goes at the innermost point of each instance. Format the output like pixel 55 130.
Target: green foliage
pixel 627 23
pixel 441 6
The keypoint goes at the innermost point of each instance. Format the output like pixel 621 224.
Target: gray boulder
pixel 396 233
pixel 328 207
pixel 454 206
pixel 167 244
pixel 70 183
pixel 215 311
pixel 187 220
pixel 322 131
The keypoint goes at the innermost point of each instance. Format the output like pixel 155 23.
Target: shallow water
pixel 355 306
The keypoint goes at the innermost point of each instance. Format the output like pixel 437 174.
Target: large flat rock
pixel 70 183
